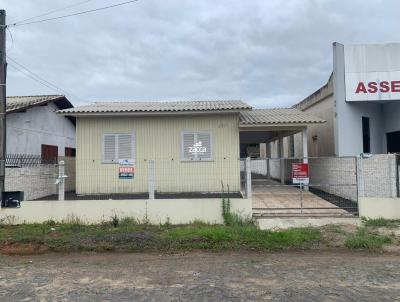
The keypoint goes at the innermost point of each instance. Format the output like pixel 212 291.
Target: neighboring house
pixel 195 145
pixel 360 102
pixel 34 128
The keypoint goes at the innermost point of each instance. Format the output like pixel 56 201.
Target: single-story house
pixel 34 128
pixel 194 145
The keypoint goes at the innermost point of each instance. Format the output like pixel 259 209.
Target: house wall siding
pixel 158 138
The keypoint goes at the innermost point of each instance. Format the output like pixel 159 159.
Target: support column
pixel 61 180
pixel 282 161
pixel 151 178
pixel 305 150
pixel 268 155
pixel 305 145
pixel 248 177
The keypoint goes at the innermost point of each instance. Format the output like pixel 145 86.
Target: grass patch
pixel 129 235
pixel 381 222
pixel 365 240
pixel 240 237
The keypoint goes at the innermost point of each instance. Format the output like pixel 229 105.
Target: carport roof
pixel 277 116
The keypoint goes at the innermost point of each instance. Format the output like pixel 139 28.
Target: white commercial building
pixel 360 103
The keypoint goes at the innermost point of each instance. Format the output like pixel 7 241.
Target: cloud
pixel 269 53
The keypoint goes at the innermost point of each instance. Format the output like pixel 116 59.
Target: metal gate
pixel 331 190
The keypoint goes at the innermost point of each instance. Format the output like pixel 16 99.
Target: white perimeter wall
pixel 27 131
pixel 374 207
pixel 176 211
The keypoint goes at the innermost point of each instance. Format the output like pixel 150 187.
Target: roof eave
pixel 153 113
pixel 44 102
pixel 298 124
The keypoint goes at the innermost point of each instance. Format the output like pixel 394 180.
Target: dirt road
pixel 300 276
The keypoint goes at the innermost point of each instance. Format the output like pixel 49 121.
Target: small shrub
pixel 49 222
pixel 128 221
pixel 72 219
pixel 115 220
pixel 364 240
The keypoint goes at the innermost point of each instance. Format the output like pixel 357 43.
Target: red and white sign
pixel 300 174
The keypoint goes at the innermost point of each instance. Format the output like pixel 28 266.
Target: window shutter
pixel 125 146
pixel 109 144
pixel 188 142
pixel 204 139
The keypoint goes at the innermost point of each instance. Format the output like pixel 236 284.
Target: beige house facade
pixel 177 147
pixel 194 146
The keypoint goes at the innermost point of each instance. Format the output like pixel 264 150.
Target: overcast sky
pixel 270 53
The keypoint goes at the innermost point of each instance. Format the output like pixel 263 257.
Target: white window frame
pixel 196 159
pixel 116 160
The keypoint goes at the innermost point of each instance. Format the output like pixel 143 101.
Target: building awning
pixel 277 117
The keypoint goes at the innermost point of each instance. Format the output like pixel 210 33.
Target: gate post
pixel 151 178
pixel 360 178
pixel 248 177
pixel 61 179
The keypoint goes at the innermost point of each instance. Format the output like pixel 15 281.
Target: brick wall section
pixel 347 177
pixel 39 181
pixel 36 182
pixel 334 175
pixel 378 176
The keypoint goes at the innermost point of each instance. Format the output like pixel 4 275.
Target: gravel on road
pixel 199 276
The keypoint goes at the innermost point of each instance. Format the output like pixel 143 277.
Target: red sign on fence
pixel 300 173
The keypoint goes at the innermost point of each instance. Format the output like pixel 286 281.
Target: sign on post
pixel 300 174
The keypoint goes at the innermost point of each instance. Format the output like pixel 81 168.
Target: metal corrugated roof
pixel 126 107
pixel 277 116
pixel 18 103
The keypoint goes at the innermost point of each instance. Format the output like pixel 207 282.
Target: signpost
pixel 300 176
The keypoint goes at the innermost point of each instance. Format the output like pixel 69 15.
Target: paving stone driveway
pixel 300 276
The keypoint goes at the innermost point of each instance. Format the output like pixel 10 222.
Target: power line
pixel 73 14
pixel 53 11
pixel 31 77
pixel 27 72
pixel 12 39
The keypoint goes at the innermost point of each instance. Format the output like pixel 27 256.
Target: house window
pixel 366 132
pixel 49 154
pixel 70 152
pixel 196 146
pixel 118 146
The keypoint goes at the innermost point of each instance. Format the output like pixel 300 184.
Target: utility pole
pixel 3 107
